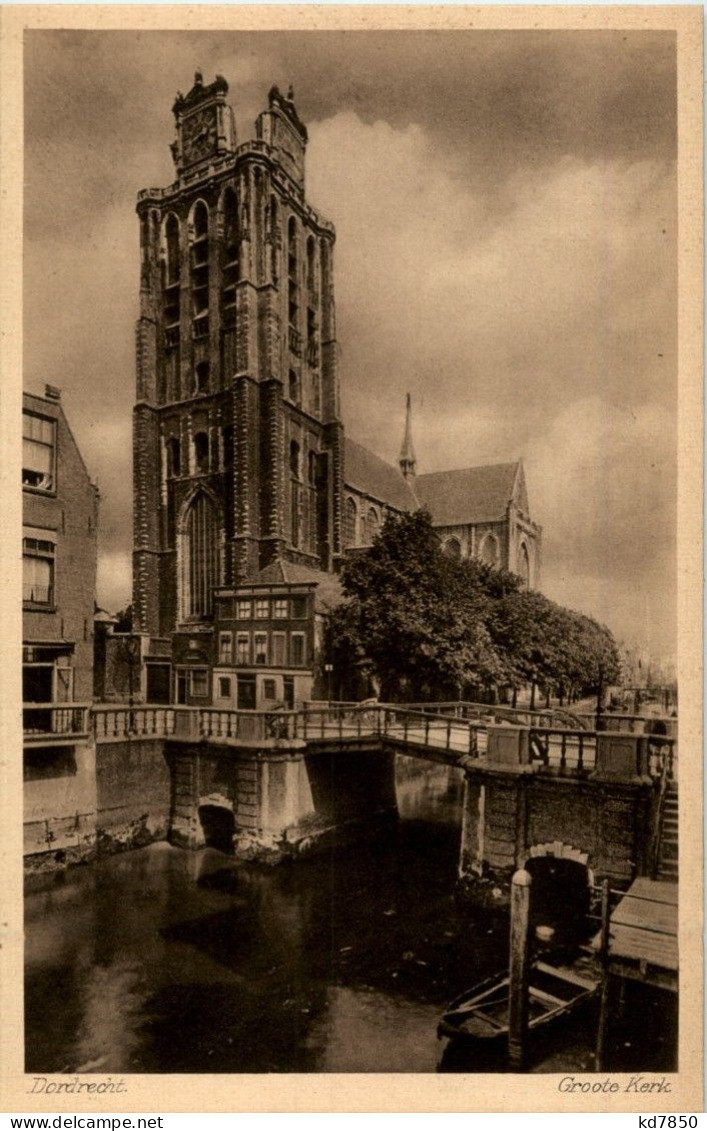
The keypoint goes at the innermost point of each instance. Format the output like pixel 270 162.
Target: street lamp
pixel 328 668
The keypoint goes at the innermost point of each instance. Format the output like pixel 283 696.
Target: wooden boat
pixel 481 1013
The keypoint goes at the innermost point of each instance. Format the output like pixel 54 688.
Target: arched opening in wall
pixel 524 565
pixel 452 548
pixel 219 826
pixel 560 897
pixel 490 550
pixel 200 221
pixel 200 559
pixel 201 452
pixel 201 376
pixel 372 524
pixel 174 456
pixel 350 518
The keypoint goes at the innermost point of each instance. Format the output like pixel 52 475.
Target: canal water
pixel 157 961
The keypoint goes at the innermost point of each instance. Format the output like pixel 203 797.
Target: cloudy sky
pixel 505 205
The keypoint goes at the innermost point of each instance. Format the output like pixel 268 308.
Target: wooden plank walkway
pixel 644 933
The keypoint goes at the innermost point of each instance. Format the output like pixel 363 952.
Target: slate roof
pixel 371 475
pixel 327 595
pixel 469 495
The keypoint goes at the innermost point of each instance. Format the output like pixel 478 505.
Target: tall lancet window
pixel 200 270
pixel 200 570
pixel 524 565
pixel 231 257
pixel 171 277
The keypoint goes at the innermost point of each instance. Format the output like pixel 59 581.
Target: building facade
pixel 246 494
pixel 59 550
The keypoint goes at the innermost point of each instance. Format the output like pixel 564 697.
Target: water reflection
pixel 159 960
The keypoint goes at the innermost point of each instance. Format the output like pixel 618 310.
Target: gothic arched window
pixel 174 456
pixel 350 516
pixel 310 263
pixel 201 376
pixel 231 256
pixel 295 493
pixel 372 524
pixel 293 387
pixel 172 256
pixel 490 552
pixel 273 235
pixel 200 571
pixel 524 565
pixel 201 451
pixel 200 270
pixel 452 548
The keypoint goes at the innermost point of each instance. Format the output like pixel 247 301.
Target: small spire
pixel 407 452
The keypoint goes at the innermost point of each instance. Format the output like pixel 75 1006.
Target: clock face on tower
pixel 199 135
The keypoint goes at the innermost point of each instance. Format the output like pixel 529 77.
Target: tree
pixel 414 616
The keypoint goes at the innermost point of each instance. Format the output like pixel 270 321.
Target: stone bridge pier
pixel 279 798
pixel 515 811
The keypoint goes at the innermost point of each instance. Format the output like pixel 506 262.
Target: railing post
pixel 603 1030
pixel 518 970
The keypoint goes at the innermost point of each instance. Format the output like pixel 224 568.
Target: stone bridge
pixel 289 781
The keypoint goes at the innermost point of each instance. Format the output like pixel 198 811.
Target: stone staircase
pixel 668 862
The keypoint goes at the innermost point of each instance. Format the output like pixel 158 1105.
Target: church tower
pixel 236 432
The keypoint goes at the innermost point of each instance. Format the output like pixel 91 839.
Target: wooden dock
pixel 643 934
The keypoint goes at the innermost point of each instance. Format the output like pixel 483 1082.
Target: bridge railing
pixel 567 750
pixel 46 721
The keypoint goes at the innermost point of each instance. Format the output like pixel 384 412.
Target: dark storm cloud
pixel 505 212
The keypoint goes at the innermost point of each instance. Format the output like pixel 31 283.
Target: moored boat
pixel 554 992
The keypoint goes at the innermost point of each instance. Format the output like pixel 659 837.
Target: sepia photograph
pixel 352 376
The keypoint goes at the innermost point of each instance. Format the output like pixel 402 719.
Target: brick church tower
pixel 236 432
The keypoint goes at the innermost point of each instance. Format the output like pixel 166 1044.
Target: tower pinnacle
pixel 407 452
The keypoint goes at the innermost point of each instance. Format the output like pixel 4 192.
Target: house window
pixel 200 557
pixel 38 452
pixel 243 648
pixel 262 608
pixel 372 524
pixel 279 608
pixel 297 649
pixel 350 516
pixel 224 687
pixel 278 649
pixel 299 608
pixel 225 647
pixel 261 647
pixel 38 571
pixel 269 689
pixel 198 683
pixel 243 610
